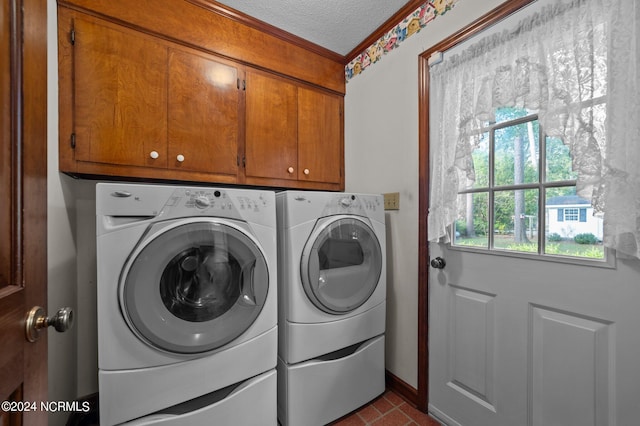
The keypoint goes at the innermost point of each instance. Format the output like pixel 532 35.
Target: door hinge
pixel 72 36
pixel 73 141
pixel 244 162
pixel 244 84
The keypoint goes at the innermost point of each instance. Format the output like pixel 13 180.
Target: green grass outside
pixel 560 248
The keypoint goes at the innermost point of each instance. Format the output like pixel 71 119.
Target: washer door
pixel 341 264
pixel 194 287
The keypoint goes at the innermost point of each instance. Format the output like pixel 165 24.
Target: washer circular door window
pixel 194 287
pixel 341 264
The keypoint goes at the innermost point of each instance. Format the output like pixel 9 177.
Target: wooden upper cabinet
pixel 294 134
pixel 320 136
pixel 135 103
pixel 140 101
pixel 120 95
pixel 271 127
pixel 204 113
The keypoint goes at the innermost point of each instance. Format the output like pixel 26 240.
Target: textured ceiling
pixel 337 25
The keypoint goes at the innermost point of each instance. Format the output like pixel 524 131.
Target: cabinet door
pixel 120 95
pixel 271 127
pixel 320 136
pixel 204 113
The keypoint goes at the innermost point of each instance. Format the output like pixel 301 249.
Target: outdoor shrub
pixel 461 227
pixel 586 238
pixel 554 237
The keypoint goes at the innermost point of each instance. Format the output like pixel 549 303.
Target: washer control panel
pixel 216 201
pixel 138 200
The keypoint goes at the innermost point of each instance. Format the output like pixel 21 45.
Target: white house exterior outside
pixel 571 215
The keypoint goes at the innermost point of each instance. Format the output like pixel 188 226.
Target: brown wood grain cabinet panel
pixel 271 127
pixel 120 95
pixel 320 136
pixel 204 113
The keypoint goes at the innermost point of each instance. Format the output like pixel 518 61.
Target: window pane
pixel 473 220
pixel 505 114
pixel 516 154
pixel 572 230
pixel 558 165
pixel 480 157
pixel 516 220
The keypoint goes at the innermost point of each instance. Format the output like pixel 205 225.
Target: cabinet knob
pixel 180 158
pixel 290 170
pixel 306 171
pixel 154 154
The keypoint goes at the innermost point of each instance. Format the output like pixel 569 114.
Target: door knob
pixel 37 321
pixel 438 263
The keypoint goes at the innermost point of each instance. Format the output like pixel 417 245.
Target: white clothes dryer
pixel 187 305
pixel 332 303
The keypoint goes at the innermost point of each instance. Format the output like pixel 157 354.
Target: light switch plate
pixel 392 201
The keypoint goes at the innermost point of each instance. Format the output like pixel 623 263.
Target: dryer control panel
pixel 357 204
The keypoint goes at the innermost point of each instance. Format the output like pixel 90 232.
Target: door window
pixel 195 287
pixel 524 196
pixel 341 264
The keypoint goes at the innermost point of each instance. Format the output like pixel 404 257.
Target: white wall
pixel 71 259
pixel 381 155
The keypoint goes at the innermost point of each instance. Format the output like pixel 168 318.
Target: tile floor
pixel 389 409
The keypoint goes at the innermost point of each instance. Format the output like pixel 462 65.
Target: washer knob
pixel 202 202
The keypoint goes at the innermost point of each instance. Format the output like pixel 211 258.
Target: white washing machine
pixel 187 305
pixel 332 302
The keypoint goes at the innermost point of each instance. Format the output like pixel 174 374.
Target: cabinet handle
pixel 154 154
pixel 306 171
pixel 180 158
pixel 290 170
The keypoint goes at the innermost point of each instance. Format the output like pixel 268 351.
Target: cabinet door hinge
pixel 73 141
pixel 244 162
pixel 72 36
pixel 244 84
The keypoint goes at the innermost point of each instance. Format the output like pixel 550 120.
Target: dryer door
pixel 194 287
pixel 341 264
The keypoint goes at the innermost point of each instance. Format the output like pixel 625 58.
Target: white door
pixel 515 341
pixel 527 325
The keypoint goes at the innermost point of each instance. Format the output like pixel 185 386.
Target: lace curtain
pixel 575 63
